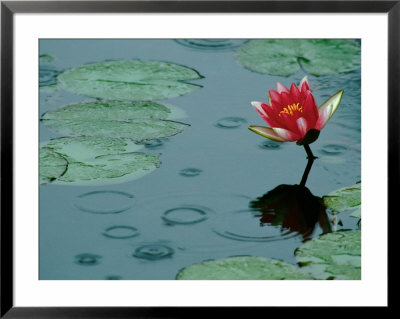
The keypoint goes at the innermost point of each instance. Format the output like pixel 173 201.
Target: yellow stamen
pixel 291 108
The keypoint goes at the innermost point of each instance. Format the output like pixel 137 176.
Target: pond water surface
pixel 196 205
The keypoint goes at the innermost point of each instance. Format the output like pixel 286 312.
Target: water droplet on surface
pixel 87 259
pixel 185 215
pixel 270 145
pixel 113 277
pixel 210 44
pixel 333 149
pixel 332 159
pixel 104 202
pixel 153 252
pixel 230 122
pixel 244 225
pixel 121 232
pixel 152 144
pixel 190 172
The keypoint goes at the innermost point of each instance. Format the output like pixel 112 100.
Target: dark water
pixel 196 205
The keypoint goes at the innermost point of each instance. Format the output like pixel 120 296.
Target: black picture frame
pixel 9 8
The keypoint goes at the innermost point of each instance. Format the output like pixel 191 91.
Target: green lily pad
pixel 88 148
pixel 344 198
pixel 242 268
pixel 332 256
pixel 114 110
pixel 109 169
pixel 285 57
pixel 133 80
pixel 136 130
pixel 46 58
pixel 52 165
pixel 100 161
pixel 357 212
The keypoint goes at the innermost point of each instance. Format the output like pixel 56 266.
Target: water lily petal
pixel 261 111
pixel 286 99
pixel 286 134
pixel 324 117
pixel 266 132
pixel 259 108
pixel 334 100
pixel 265 112
pixel 274 96
pixel 310 109
pixel 304 85
pixel 302 126
pixel 287 122
pixel 281 88
pixel 294 91
pixel 276 107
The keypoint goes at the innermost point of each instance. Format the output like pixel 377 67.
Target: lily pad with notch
pixel 132 80
pixel 84 148
pixel 285 57
pixel 52 165
pixel 101 161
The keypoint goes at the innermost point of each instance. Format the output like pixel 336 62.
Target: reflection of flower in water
pixel 293 207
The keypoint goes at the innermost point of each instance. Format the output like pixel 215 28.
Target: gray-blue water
pixel 193 207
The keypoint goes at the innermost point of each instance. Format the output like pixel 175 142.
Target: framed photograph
pixel 158 156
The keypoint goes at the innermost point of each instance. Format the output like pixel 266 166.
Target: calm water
pixel 196 205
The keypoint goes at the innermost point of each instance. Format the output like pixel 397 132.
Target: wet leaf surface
pixel 332 256
pixel 94 161
pixel 242 268
pixel 344 198
pixel 285 57
pixel 133 80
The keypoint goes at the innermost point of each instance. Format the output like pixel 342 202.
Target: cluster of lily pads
pixel 331 256
pixel 99 143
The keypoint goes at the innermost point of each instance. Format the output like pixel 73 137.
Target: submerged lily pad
pixel 285 57
pixel 100 161
pixel 135 80
pixel 114 110
pixel 242 268
pixel 332 256
pixel 52 165
pixel 136 130
pixel 344 198
pixel 49 88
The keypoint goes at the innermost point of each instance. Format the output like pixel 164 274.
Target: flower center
pixel 291 108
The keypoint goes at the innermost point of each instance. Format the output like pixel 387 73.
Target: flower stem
pixel 311 158
pixel 310 155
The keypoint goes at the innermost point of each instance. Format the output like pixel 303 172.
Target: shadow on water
pixel 293 207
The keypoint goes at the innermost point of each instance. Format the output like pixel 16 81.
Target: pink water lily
pixel 293 115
